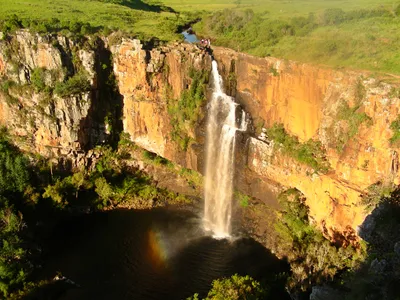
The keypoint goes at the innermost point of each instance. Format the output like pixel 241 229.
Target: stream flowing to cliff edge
pixel 222 125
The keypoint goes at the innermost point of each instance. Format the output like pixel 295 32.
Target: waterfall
pixel 222 125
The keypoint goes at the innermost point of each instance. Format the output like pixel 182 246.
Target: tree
pixel 236 288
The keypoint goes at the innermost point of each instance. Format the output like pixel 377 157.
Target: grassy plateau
pixel 359 34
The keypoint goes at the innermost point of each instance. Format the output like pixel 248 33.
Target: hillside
pixel 350 34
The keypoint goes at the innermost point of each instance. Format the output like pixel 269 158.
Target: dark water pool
pixel 153 254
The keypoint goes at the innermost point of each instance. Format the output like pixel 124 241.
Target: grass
pixel 357 38
pixel 279 9
pixel 131 16
pixel 275 28
pixel 369 44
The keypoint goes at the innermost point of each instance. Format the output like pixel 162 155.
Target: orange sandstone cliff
pixel 309 101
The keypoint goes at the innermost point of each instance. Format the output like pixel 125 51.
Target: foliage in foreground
pixel 109 184
pixel 235 288
pixel 14 179
pixel 313 259
pixel 32 191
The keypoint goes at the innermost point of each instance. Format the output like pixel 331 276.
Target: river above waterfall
pixel 190 37
pixel 148 254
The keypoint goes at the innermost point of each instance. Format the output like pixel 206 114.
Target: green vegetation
pixel 155 159
pixel 194 178
pixel 339 38
pixel 235 288
pixel 32 191
pixel 377 193
pixel 14 179
pixel 243 199
pixel 310 153
pixel 352 119
pixel 133 17
pixel 348 120
pixel 357 34
pixel 77 84
pixel 313 259
pixel 186 111
pixel 395 126
pixel 279 9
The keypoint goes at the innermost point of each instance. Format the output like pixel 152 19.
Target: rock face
pixel 149 81
pixel 308 101
pixel 40 119
pixel 348 112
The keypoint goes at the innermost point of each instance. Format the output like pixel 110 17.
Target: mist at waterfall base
pixel 148 254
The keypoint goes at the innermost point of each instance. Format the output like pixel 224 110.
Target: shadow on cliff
pixel 378 277
pixel 155 6
pixel 103 123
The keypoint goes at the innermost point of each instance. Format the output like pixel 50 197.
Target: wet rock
pixel 378 266
pixel 324 293
pixel 396 248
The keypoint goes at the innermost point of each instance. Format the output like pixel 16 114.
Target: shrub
pixel 13 271
pixel 236 288
pixel 377 193
pixel 14 176
pixel 353 119
pixel 395 126
pixel 186 111
pixel 313 259
pixel 38 79
pixel 104 190
pixel 11 24
pixel 243 199
pixel 310 153
pixel 77 84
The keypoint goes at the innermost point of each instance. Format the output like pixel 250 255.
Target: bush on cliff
pixel 310 153
pixel 313 259
pixel 77 84
pixel 395 127
pixel 186 111
pixel 236 287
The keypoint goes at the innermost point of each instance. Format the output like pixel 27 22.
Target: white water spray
pixel 222 125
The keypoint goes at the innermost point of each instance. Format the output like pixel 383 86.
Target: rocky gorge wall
pixel 311 103
pixel 134 88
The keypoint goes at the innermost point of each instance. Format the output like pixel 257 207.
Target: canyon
pixel 134 87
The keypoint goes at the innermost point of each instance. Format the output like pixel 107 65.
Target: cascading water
pixel 222 125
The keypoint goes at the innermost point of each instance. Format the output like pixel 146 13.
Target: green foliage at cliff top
pixel 281 9
pixel 132 16
pixel 236 287
pixel 359 34
pixel 357 38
